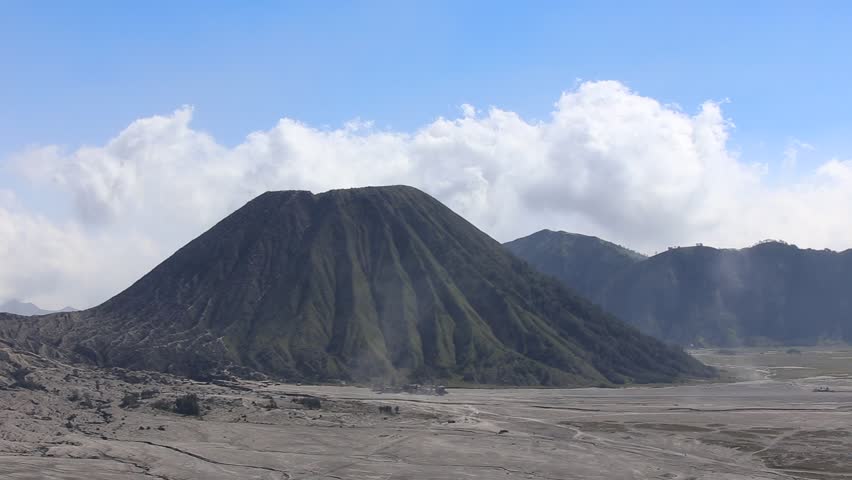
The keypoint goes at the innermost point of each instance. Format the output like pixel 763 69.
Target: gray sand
pixel 758 429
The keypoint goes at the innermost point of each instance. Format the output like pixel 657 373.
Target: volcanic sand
pixel 765 428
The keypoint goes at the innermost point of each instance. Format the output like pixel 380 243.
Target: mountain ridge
pixel 582 262
pixel 18 307
pixel 770 293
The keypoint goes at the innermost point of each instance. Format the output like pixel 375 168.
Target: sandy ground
pixel 76 429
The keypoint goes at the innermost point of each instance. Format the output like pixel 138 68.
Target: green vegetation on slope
pixel 581 262
pixel 362 284
pixel 768 294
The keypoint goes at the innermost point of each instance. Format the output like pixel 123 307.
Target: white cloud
pixel 468 110
pixel 607 162
pixel 52 263
pixel 791 154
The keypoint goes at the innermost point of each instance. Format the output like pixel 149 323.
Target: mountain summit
pixel 582 262
pixel 366 283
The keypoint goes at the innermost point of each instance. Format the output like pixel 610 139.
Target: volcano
pixel 359 284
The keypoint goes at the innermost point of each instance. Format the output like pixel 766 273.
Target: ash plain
pixel 771 426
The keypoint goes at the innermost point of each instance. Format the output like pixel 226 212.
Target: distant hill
pixel 769 293
pixel 27 309
pixel 582 262
pixel 374 283
pixel 772 293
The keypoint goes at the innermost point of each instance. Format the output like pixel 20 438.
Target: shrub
pixel 87 401
pixel 163 404
pixel 130 400
pixel 19 375
pixel 146 394
pixel 128 377
pixel 311 403
pixel 187 405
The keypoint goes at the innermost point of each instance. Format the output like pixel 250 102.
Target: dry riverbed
pixel 84 425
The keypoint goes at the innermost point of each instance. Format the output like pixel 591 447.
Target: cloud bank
pixel 608 162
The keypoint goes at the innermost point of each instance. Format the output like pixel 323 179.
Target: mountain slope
pixel 18 307
pixel 582 262
pixel 769 293
pixel 356 284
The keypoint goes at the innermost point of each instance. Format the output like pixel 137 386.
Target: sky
pixel 128 128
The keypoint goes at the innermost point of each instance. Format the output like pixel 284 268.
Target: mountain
pixel 771 293
pixel 582 262
pixel 372 283
pixel 27 309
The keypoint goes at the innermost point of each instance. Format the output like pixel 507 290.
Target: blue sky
pixel 77 72
pixel 601 123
